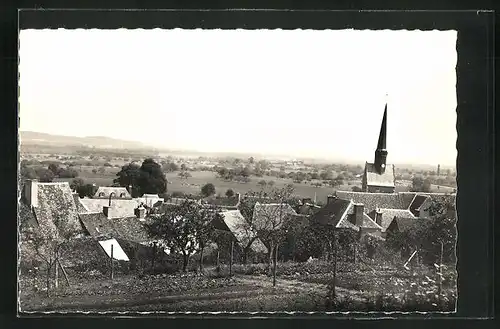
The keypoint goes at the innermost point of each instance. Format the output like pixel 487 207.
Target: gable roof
pixel 122 208
pixel 405 224
pixel 238 226
pixel 80 207
pixel 368 222
pixel 57 209
pixel 389 214
pixel 267 215
pixel 373 178
pixel 372 201
pixel 333 212
pixel 119 192
pixel 127 228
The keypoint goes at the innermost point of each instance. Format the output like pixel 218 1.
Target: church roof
pixel 373 178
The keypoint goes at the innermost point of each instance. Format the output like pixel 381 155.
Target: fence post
pixel 274 265
pixel 112 269
pixel 64 273
pixel 231 259
pixel 440 287
pixel 56 272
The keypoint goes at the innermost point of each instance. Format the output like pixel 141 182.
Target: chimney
pixel 330 199
pixel 359 213
pixel 140 212
pixel 378 217
pixel 106 210
pixel 31 192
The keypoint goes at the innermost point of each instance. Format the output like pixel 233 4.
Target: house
pixel 346 214
pixel 53 206
pixel 114 192
pixel 268 216
pixel 234 222
pixel 384 217
pixel 379 177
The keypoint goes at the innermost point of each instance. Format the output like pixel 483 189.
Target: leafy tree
pixel 262 183
pixel 184 167
pixel 208 190
pixel 147 178
pixel 421 185
pixel 185 229
pixel 251 160
pixel 45 175
pixel 184 174
pixel 229 193
pixel 86 190
pixel 76 183
pixel 270 183
pixel 54 168
pixel 129 175
pixel 152 180
pixel 28 173
pixel 67 173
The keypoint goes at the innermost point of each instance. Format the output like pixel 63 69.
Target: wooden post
pixel 218 259
pixel 334 281
pixel 231 258
pixel 274 265
pixel 440 272
pixel 56 272
pixel 64 273
pixel 153 258
pixel 112 269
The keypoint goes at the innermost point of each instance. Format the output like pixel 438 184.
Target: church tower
pixel 381 151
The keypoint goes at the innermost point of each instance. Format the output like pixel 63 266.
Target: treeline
pixel 46 174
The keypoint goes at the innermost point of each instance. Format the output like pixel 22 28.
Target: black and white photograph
pixel 218 170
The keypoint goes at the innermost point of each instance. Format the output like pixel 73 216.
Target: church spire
pixel 381 151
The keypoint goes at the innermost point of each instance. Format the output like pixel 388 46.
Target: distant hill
pixel 44 139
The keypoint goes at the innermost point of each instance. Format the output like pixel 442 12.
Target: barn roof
pixel 389 214
pixel 373 178
pixel 407 223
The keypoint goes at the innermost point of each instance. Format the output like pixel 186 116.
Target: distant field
pixel 199 178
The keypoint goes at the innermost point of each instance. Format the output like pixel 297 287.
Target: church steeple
pixel 381 151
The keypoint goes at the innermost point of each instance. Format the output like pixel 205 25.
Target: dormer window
pixel 101 194
pixel 122 195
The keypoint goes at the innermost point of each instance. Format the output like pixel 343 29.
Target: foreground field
pixel 300 287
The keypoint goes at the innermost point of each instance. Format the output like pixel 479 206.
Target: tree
pixel 229 193
pixel 184 174
pixel 86 190
pixel 262 183
pixel 421 185
pixel 184 229
pixel 251 160
pixel 54 168
pixel 45 175
pixel 76 183
pixel 147 178
pixel 184 167
pixel 270 183
pixel 129 176
pixel 208 190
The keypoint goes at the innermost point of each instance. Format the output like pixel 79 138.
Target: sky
pixel 297 92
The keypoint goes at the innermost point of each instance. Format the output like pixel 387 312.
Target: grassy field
pixel 299 287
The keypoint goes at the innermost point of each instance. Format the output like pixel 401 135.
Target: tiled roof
pixel 405 223
pixel 268 215
pixel 373 178
pixel 82 250
pixel 80 207
pixel 237 224
pixel 231 202
pixel 127 228
pixel 56 207
pixel 389 214
pixel 332 213
pixel 372 201
pixel 105 191
pixel 368 222
pixel 122 208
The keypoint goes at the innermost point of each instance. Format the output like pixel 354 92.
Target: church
pixel 379 177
